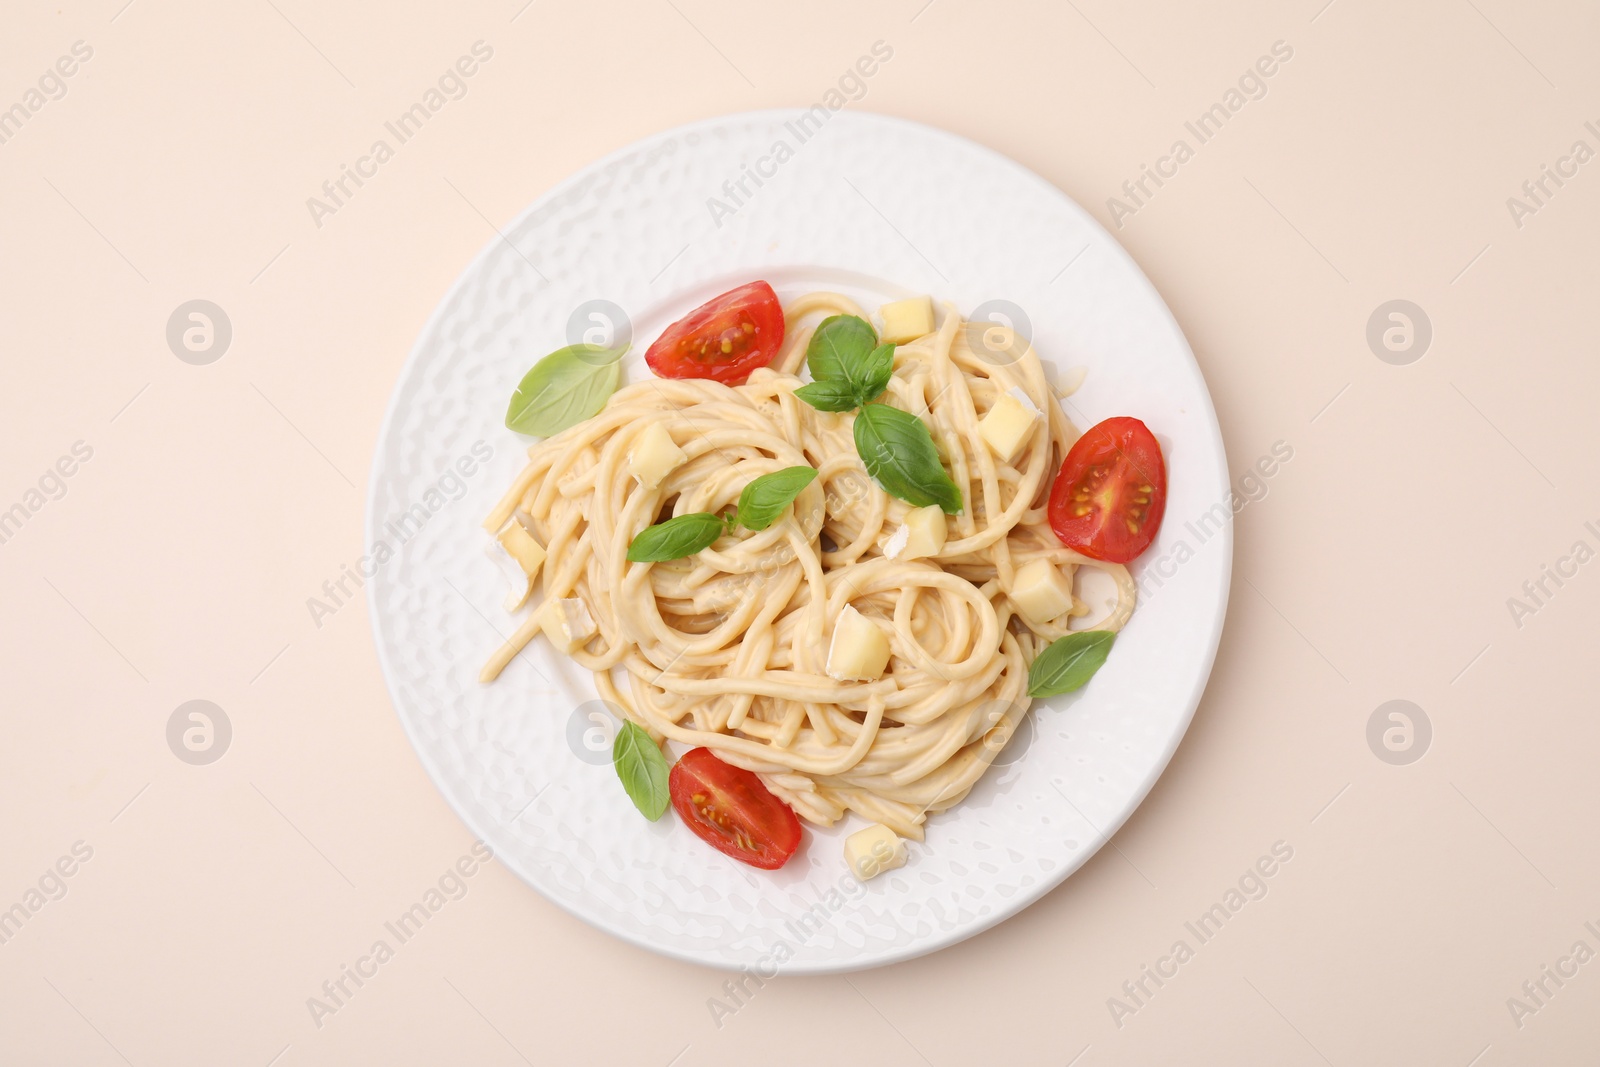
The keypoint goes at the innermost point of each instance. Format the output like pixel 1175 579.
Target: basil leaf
pixel 764 499
pixel 872 376
pixel 564 388
pixel 897 450
pixel 642 768
pixel 1067 663
pixel 675 538
pixel 840 342
pixel 829 396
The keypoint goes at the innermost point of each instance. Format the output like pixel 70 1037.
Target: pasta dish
pixel 847 588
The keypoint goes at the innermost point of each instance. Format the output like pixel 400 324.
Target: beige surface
pixel 177 564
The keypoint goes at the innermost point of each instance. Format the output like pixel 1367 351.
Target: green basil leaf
pixel 1067 663
pixel 897 450
pixel 764 499
pixel 564 388
pixel 873 375
pixel 829 396
pixel 840 342
pixel 642 768
pixel 675 538
pixel 847 364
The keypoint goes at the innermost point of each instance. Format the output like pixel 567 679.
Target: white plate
pixel 877 208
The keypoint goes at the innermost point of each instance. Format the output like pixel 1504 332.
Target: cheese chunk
pixel 654 456
pixel 1041 592
pixel 521 546
pixel 1009 424
pixel 922 535
pixel 859 651
pixel 874 850
pixel 519 556
pixel 907 320
pixel 520 585
pixel 568 624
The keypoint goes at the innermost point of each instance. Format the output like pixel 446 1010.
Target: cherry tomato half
pixel 723 339
pixel 1108 499
pixel 729 809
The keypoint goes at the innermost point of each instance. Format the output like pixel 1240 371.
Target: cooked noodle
pixel 727 648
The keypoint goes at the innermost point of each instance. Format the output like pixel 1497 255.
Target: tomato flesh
pixel 723 339
pixel 1109 498
pixel 729 809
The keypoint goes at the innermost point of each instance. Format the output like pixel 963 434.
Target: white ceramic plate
pixel 877 208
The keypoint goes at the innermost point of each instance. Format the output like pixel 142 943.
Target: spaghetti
pixel 728 648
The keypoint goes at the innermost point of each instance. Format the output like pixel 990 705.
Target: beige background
pixel 218 498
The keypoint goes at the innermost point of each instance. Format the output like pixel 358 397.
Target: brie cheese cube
pixel 654 456
pixel 520 585
pixel 922 535
pixel 521 546
pixel 859 651
pixel 1041 592
pixel 519 557
pixel 874 850
pixel 568 624
pixel 907 320
pixel 1009 424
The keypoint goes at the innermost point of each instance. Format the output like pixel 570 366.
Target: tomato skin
pixel 724 339
pixel 732 811
pixel 1111 493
